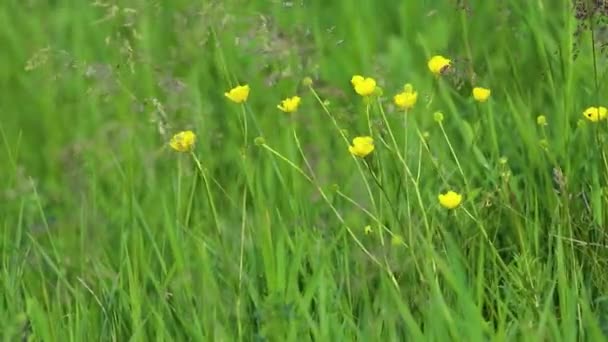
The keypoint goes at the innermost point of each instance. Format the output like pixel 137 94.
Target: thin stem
pixel 369 120
pixel 208 189
pixel 242 249
pixel 245 125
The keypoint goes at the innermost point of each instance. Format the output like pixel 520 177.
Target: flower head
pixel 364 86
pixel 438 117
pixel 290 105
pixel 450 199
pixel 595 114
pixel 356 79
pixel 439 64
pixel 481 94
pixel 541 120
pixel 183 141
pixel 259 141
pixel 238 94
pixel 362 146
pixel 307 81
pixel 406 99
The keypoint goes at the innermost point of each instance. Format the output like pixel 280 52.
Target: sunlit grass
pixel 347 170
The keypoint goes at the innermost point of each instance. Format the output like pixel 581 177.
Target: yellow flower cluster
pixel 363 146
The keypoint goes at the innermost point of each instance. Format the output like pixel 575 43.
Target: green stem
pixel 208 189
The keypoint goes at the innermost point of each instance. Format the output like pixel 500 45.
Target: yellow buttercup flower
pixel 481 94
pixel 364 86
pixel 406 99
pixel 439 64
pixel 595 114
pixel 362 146
pixel 183 141
pixel 356 79
pixel 238 94
pixel 450 199
pixel 290 105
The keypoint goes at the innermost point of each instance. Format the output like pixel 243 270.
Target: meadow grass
pixel 269 229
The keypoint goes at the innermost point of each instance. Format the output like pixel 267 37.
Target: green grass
pixel 108 234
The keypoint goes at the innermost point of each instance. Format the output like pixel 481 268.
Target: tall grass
pixel 271 230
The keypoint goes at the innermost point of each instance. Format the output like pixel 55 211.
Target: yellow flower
pixel 439 64
pixel 183 141
pixel 450 199
pixel 238 94
pixel 481 94
pixel 363 86
pixel 406 99
pixel 368 230
pixel 356 79
pixel 595 114
pixel 541 120
pixel 362 146
pixel 290 105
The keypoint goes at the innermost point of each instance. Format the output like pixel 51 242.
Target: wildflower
pixel 481 94
pixel 544 144
pixel 183 141
pixel 503 160
pixel 356 79
pixel 450 199
pixel 368 230
pixel 406 99
pixel 307 81
pixel 438 116
pixel 541 120
pixel 595 114
pixel 362 146
pixel 259 141
pixel 290 105
pixel 439 64
pixel 238 94
pixel 363 86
